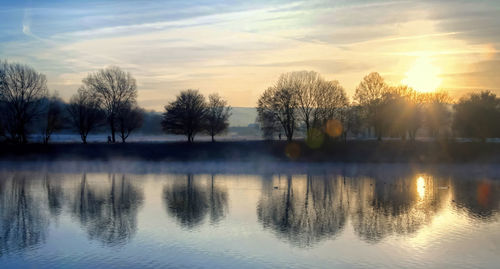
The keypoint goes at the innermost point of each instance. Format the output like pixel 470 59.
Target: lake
pixel 137 214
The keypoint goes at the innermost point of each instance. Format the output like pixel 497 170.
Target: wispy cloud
pixel 238 48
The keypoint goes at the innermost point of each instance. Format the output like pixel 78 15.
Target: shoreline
pixel 418 152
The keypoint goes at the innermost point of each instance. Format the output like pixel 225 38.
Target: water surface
pixel 150 215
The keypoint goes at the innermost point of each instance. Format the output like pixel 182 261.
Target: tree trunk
pixel 113 131
pixel 46 137
pixel 213 139
pixel 122 135
pixel 24 138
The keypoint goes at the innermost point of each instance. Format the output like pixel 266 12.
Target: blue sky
pixel 238 48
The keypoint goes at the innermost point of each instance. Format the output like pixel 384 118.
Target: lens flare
pixel 483 193
pixel 292 150
pixel 334 128
pixel 314 138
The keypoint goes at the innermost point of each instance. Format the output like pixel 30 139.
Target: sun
pixel 423 76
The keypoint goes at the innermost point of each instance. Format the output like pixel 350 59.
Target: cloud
pixel 238 48
pixel 26 23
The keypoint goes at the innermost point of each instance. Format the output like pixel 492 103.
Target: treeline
pixel 299 102
pixel 306 102
pixel 106 98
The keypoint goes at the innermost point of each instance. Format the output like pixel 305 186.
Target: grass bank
pixel 353 151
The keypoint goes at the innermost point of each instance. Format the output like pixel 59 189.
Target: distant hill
pixel 242 116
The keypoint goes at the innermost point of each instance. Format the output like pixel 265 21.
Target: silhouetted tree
pixel 305 85
pixel 437 113
pixel 186 115
pixel 350 118
pixel 330 98
pixel 477 114
pixel 317 100
pixel 278 105
pixel 129 118
pixel 369 94
pixel 52 118
pixel 401 112
pixel 268 125
pixel 85 114
pixel 21 92
pixel 114 89
pixel 3 133
pixel 218 113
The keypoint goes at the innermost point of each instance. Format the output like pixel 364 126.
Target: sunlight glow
pixel 421 187
pixel 423 76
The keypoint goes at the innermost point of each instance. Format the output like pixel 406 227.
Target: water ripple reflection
pixel 374 217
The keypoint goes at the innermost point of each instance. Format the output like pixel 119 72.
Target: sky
pixel 239 48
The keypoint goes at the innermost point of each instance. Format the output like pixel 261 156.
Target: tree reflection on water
pixel 307 209
pixel 23 223
pixel 189 201
pixel 480 199
pixel 306 212
pixel 302 210
pixel 380 207
pixel 108 214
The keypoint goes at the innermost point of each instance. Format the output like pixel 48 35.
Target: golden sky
pixel 239 48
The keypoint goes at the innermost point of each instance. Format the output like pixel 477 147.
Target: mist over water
pixel 217 215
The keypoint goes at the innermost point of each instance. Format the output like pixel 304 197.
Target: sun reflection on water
pixel 421 187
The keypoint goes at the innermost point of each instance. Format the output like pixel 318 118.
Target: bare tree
pixel 268 124
pixel 2 121
pixel 350 119
pixel 52 117
pixel 21 92
pixel 114 88
pixel 186 115
pixel 369 94
pixel 3 105
pixel 301 96
pixel 305 85
pixel 129 118
pixel 317 99
pixel 329 99
pixel 278 105
pixel 218 113
pixel 85 114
